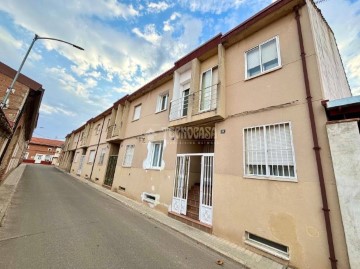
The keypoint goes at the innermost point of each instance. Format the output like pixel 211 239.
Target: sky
pixel 128 43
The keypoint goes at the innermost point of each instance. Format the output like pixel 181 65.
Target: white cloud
pixel 7 38
pixel 149 34
pixel 47 109
pixel 211 6
pixel 168 23
pixel 71 84
pixel 158 7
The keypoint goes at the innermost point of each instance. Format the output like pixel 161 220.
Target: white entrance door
pixel 179 201
pixel 206 184
pixel 82 158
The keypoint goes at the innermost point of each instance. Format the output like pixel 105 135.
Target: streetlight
pixel 10 89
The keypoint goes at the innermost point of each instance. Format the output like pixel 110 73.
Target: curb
pixel 8 188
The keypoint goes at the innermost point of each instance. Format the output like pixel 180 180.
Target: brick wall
pixel 15 99
pixel 40 149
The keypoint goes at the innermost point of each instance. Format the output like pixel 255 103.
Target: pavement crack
pixel 44 232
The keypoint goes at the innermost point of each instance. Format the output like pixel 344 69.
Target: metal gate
pixel 179 201
pixel 110 170
pixel 206 186
pixel 81 164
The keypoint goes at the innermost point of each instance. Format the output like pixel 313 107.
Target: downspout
pixel 97 147
pixel 316 147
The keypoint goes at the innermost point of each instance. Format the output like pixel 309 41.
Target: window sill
pixel 135 120
pixel 292 180
pixel 264 73
pixel 126 166
pixel 157 112
pixel 154 168
pixel 267 250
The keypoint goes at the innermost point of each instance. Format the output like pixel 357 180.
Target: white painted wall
pixel 344 139
pixel 331 69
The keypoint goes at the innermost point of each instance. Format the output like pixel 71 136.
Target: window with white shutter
pixel 269 152
pixel 262 58
pixel 102 156
pixel 155 154
pixel 91 156
pixel 129 154
pixel 137 112
pixel 162 102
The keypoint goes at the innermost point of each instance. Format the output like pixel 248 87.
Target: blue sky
pixel 127 43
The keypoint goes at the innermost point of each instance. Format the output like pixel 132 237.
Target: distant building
pixel 42 150
pixel 18 119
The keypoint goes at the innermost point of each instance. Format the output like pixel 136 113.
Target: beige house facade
pixel 233 139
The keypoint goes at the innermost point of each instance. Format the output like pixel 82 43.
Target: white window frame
pixel 261 66
pixel 91 156
pixel 161 99
pixel 128 155
pixel 267 175
pixel 102 156
pixel 267 248
pixel 211 106
pixel 137 112
pixel 152 154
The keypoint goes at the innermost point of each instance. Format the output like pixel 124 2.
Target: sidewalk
pixel 8 187
pixel 225 248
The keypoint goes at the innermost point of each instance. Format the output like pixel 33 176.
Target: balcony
pixel 200 107
pixel 113 133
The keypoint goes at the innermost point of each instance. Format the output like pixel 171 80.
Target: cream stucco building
pixel 232 139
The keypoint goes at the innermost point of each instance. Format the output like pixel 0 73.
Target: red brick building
pixel 18 119
pixel 40 150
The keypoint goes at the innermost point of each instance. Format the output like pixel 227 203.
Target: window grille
pixel 268 151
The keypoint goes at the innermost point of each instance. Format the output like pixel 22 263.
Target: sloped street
pixel 55 221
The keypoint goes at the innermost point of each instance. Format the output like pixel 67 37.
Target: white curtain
pixel 268 53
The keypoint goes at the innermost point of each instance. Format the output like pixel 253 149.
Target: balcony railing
pixel 196 103
pixel 112 131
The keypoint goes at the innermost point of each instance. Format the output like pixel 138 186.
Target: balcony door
pixel 185 94
pixel 208 94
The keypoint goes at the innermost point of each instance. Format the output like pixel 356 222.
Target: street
pixel 55 221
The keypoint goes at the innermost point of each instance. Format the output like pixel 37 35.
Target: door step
pixel 191 222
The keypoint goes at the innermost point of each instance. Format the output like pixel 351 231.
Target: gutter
pixel 316 147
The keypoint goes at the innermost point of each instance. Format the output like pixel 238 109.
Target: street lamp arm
pixel 63 41
pixel 8 91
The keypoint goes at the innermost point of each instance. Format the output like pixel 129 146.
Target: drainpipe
pixel 97 147
pixel 316 147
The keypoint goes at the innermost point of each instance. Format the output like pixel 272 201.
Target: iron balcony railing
pixel 196 102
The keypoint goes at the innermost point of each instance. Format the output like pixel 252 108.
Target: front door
pixel 110 170
pixel 179 201
pixel 206 185
pixel 81 164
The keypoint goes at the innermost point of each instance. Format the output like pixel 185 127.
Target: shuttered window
pixel 91 156
pixel 137 112
pixel 268 151
pixel 102 156
pixel 129 154
pixel 263 58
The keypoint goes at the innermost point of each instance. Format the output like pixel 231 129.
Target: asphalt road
pixel 55 221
